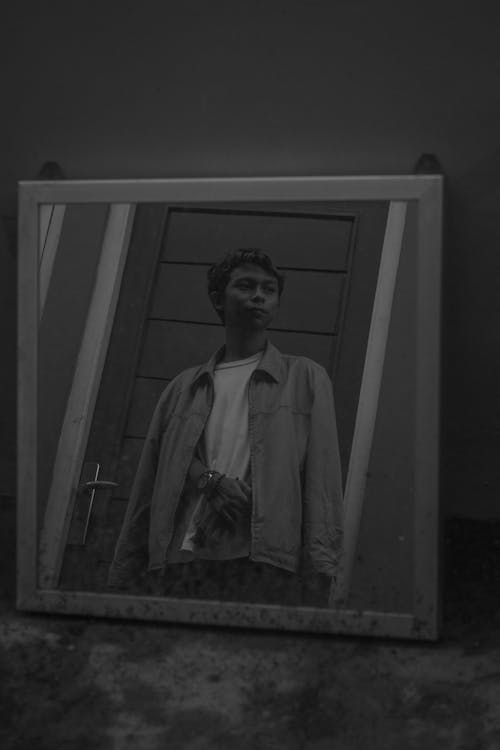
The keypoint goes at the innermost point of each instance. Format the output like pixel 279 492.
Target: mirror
pixel 114 306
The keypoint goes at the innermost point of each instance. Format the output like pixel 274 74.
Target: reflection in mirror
pixel 127 310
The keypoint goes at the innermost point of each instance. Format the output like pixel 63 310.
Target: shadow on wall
pixel 470 355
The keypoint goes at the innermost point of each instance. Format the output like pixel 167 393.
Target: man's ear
pixel 216 300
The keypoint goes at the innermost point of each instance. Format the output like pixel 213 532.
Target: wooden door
pixel 164 323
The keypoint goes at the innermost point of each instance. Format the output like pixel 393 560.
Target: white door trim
pixel 81 402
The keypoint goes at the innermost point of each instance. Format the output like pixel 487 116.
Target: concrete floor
pixel 83 683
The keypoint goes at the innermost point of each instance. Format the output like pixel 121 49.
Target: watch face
pixel 204 480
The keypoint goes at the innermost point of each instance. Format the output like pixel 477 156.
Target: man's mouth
pixel 258 311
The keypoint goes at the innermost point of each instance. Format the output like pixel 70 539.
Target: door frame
pixel 34 197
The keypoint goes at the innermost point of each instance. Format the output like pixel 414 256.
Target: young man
pixel 238 492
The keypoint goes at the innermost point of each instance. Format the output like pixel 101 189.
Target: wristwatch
pixel 208 480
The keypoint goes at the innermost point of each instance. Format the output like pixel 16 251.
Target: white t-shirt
pixel 226 448
pixel 226 442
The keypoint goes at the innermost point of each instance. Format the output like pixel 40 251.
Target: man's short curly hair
pixel 219 273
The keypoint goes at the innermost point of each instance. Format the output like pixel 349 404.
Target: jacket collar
pixel 271 363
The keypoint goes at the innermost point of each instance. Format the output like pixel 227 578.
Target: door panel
pixel 144 398
pixel 165 323
pixel 129 458
pixel 170 347
pixel 312 300
pixel 202 235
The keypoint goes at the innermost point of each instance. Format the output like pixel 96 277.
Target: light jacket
pixel 295 467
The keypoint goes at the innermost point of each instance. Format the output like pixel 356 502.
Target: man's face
pixel 251 298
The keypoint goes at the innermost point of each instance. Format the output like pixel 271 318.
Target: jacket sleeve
pixel 131 552
pixel 322 488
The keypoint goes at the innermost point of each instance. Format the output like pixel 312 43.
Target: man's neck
pixel 240 346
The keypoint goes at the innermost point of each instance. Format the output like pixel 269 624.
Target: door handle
pixel 98 484
pixel 90 487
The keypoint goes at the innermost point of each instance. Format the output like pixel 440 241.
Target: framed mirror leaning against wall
pixel 256 444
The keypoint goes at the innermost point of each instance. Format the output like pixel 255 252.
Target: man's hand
pixel 230 499
pixel 228 503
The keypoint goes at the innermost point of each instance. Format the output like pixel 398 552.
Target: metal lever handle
pixel 98 484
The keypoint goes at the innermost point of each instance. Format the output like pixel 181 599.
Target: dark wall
pixel 192 88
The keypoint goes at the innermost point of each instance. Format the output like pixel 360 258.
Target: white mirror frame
pixel 37 207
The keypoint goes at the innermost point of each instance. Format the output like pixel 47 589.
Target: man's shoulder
pixel 297 365
pixel 181 382
pixel 187 376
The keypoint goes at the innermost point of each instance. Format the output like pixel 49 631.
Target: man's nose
pixel 258 293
